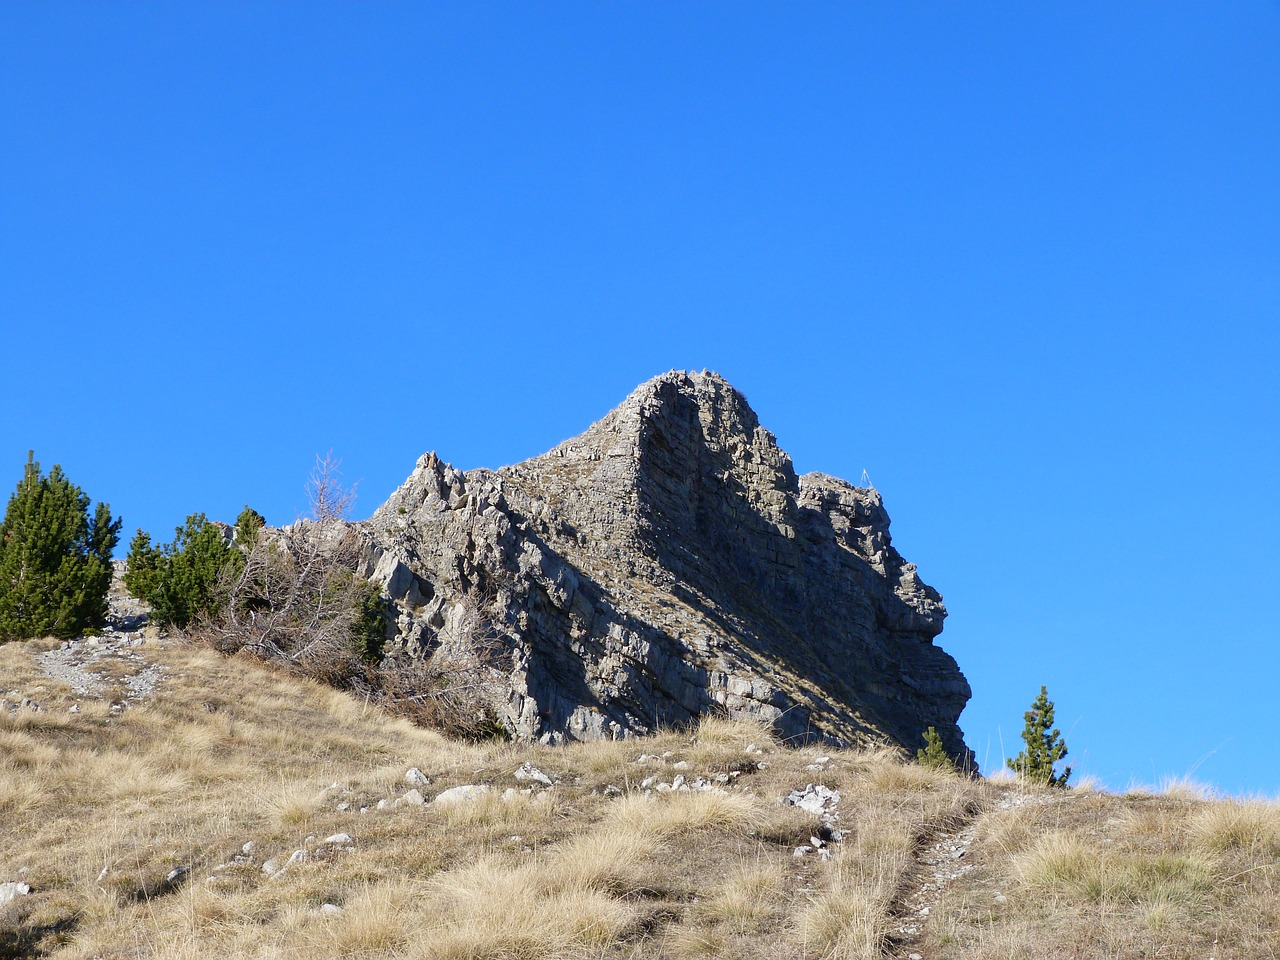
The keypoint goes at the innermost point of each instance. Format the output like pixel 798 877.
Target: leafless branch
pixel 327 496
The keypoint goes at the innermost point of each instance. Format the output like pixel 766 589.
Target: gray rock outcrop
pixel 666 563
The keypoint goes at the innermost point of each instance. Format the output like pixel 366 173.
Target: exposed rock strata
pixel 666 563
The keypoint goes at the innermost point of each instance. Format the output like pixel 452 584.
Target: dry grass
pixel 97 809
pixel 1085 874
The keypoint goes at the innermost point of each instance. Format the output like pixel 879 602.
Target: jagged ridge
pixel 665 563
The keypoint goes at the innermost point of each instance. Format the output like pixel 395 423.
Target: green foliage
pixel 248 524
pixel 182 580
pixel 933 754
pixel 369 632
pixel 55 559
pixel 1044 746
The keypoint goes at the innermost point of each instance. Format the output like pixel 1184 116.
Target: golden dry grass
pixel 97 809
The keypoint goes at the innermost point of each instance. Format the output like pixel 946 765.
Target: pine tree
pixel 181 580
pixel 1044 746
pixel 933 753
pixel 55 558
pixel 248 524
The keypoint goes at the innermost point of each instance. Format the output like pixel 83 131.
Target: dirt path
pixel 940 860
pixel 97 667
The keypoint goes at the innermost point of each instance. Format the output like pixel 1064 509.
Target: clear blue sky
pixel 1020 262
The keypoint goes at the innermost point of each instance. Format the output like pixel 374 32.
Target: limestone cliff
pixel 666 563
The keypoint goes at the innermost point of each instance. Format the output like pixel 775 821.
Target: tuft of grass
pixel 681 811
pixel 1250 826
pixel 293 804
pixel 844 925
pixel 752 896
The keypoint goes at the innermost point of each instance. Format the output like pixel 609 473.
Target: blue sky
pixel 1019 262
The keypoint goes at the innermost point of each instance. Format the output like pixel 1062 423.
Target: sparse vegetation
pixel 55 558
pixel 597 865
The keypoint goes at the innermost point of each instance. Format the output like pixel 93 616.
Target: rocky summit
pixel 665 564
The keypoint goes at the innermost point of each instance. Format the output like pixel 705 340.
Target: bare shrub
pixel 297 602
pixel 453 688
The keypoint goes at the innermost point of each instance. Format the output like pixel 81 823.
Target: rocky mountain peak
pixel 664 563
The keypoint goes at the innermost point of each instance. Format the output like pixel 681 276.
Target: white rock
pixel 341 838
pixel 528 771
pixel 814 798
pixel 298 856
pixel 465 793
pixel 12 891
pixel 648 782
pixel 330 909
pixel 271 866
pixel 412 798
pixel 416 778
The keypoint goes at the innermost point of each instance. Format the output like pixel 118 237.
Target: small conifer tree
pixel 933 753
pixel 1044 746
pixel 55 558
pixel 248 524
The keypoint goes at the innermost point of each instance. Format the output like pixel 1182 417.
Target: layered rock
pixel 666 563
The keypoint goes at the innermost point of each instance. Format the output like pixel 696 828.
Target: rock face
pixel 666 563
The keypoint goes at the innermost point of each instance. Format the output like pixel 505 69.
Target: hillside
pixel 157 800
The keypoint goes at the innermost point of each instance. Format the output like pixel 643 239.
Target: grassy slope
pixel 97 809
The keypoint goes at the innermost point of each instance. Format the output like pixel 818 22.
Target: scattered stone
pixel 416 778
pixel 412 798
pixel 814 798
pixel 462 794
pixel 12 891
pixel 528 771
pixel 271 867
pixel 341 839
pixel 330 909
